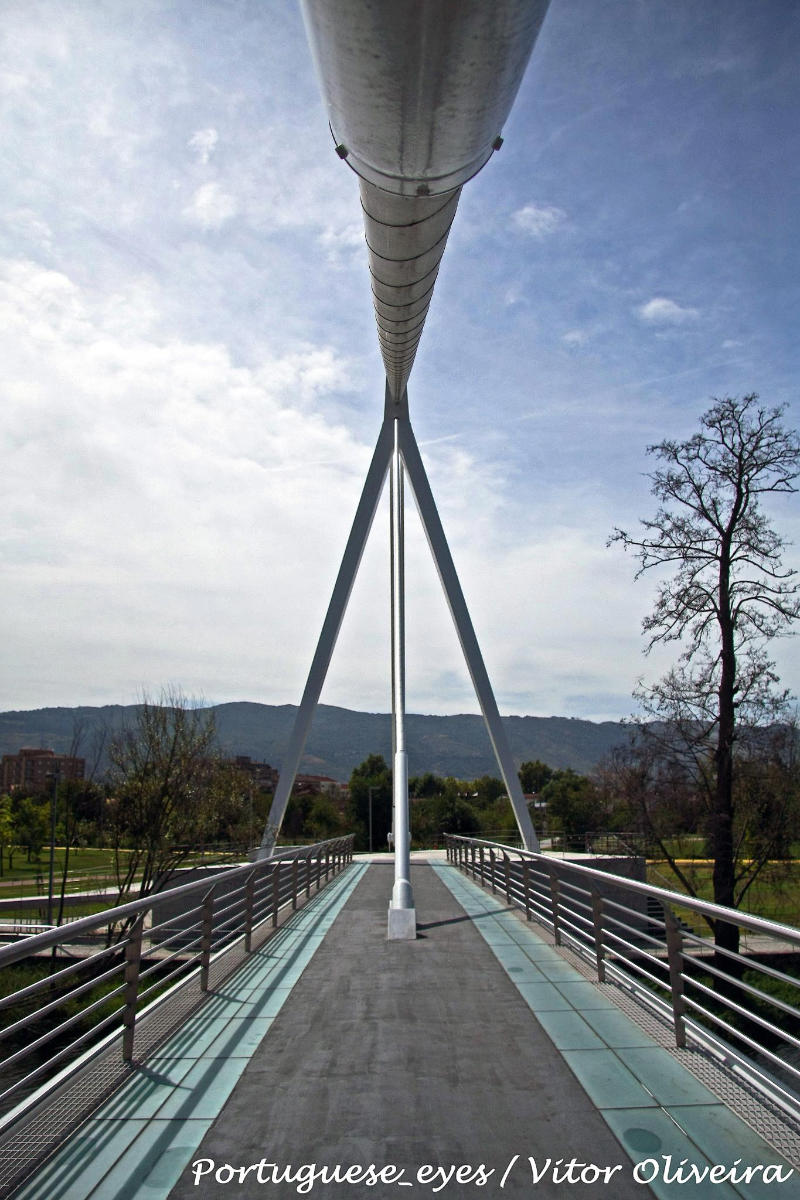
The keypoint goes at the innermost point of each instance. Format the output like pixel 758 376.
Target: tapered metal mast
pixel 417 92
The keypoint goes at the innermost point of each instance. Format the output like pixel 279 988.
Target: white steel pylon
pixel 396 441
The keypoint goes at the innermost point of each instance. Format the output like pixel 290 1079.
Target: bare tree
pixel 727 596
pixel 161 789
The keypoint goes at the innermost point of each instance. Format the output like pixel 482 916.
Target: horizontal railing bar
pixel 187 967
pixel 640 972
pixel 158 964
pixel 42 985
pixel 169 922
pixel 237 903
pixel 704 907
pixel 643 939
pixel 30 1017
pixel 737 1034
pixel 59 1055
pixel 44 941
pixel 792 1009
pixel 58 1029
pixel 651 958
pixel 747 1013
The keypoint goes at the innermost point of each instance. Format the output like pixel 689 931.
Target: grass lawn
pixel 89 868
pixel 775 893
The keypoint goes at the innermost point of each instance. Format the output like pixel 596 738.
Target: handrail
pixel 54 936
pixel 705 907
pixel 209 915
pixel 699 987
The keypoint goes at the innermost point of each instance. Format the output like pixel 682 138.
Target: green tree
pixel 573 803
pixel 6 829
pixel 485 790
pixel 533 775
pixel 426 785
pixel 373 773
pixel 726 597
pixel 31 822
pixel 325 818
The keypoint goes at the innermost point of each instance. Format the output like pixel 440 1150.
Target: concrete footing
pixel 402 924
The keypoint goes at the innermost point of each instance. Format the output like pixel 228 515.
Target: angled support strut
pixel 396 441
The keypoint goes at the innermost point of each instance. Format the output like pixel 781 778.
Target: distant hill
pixel 339 739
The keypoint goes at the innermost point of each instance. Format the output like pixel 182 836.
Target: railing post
pixel 675 959
pixel 526 883
pixel 276 884
pixel 555 889
pixel 507 869
pixel 483 864
pixel 327 861
pixel 295 868
pixel 319 870
pixel 207 929
pixel 491 860
pixel 599 946
pixel 308 875
pixel 249 895
pixel 472 856
pixel 133 960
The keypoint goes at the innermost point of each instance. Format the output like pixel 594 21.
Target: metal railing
pixel 132 952
pixel 737 1005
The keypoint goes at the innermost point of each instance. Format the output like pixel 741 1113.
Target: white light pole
pixel 402 914
pixel 370 790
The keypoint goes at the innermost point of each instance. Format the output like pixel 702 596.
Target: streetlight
pixel 56 775
pixel 371 790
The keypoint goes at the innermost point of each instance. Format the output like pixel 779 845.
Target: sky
pixel 191 381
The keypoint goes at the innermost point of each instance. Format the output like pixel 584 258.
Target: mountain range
pixel 339 740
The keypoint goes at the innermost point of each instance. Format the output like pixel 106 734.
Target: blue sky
pixel 192 385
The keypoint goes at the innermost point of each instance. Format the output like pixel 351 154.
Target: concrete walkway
pixel 476 1049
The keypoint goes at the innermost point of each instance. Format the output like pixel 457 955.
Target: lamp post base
pixel 402 925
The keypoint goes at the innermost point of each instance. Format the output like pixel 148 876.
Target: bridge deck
pixel 477 1044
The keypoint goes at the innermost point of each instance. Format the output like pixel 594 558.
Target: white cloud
pixel 341 240
pixel 204 141
pixel 661 311
pixel 27 225
pixel 211 206
pixel 514 294
pixel 157 497
pixel 538 221
pixel 575 337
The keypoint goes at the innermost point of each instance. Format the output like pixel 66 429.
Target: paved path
pixel 407 1053
pixel 477 1047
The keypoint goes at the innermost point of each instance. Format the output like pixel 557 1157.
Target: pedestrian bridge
pixel 497 1053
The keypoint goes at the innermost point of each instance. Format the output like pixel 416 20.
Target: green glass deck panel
pixel 607 1080
pixel 656 1143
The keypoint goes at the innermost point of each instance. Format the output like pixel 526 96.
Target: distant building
pixel 34 770
pixel 305 784
pixel 263 775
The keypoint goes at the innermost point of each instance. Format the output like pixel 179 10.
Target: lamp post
pixel 56 775
pixel 371 790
